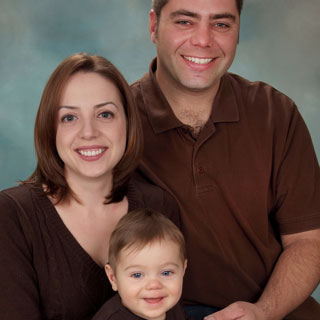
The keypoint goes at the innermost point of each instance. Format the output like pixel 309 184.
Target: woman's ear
pixel 111 276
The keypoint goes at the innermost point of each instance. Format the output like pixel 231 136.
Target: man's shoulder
pixel 136 85
pixel 258 95
pixel 249 88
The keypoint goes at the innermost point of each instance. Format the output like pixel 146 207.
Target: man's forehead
pixel 208 7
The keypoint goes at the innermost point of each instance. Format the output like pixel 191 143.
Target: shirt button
pixel 201 170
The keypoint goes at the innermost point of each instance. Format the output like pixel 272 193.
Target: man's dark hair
pixel 157 6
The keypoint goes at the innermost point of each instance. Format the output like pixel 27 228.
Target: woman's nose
pixel 88 129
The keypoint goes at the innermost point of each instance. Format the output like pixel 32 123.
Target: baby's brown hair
pixel 142 227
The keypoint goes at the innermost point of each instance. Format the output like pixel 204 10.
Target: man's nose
pixel 202 36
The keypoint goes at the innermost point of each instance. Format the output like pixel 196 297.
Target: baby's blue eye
pixel 136 275
pixel 166 273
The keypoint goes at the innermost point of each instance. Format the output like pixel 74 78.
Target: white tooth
pixel 91 153
pixel 198 60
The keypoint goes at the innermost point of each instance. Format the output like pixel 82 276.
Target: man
pixel 238 158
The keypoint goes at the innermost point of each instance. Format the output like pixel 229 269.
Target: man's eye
pixel 221 25
pixel 136 275
pixel 68 118
pixel 167 273
pixel 106 115
pixel 183 22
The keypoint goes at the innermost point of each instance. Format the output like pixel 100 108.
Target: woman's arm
pixel 19 298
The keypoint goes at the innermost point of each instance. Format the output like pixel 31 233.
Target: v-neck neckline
pixel 54 218
pixel 56 221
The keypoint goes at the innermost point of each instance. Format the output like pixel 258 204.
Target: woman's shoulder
pixel 17 194
pixel 143 194
pixel 20 195
pixel 22 202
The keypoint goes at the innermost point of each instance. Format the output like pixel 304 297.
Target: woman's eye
pixel 68 118
pixel 136 275
pixel 167 273
pixel 106 115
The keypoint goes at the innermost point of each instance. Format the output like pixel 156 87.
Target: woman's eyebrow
pixel 99 105
pixel 68 107
pixel 106 103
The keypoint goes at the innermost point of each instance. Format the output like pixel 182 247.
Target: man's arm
pixel 295 276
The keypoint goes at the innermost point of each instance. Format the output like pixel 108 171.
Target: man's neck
pixel 192 108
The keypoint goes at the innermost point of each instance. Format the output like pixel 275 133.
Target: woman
pixel 55 226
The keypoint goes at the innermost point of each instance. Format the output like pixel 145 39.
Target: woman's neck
pixel 91 192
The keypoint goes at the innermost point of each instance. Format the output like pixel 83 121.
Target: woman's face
pixel 91 127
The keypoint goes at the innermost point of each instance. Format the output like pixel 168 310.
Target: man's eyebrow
pixel 97 106
pixel 182 12
pixel 225 15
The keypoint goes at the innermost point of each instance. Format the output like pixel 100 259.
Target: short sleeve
pixel 298 181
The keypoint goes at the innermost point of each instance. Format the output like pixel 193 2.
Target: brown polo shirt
pixel 251 175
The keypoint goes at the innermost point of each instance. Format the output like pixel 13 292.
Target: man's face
pixel 196 42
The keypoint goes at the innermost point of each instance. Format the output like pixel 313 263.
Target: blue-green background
pixel 279 44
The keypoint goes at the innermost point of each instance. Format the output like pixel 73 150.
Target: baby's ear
pixel 185 265
pixel 111 276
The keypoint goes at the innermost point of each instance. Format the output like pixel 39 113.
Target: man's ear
pixel 153 25
pixel 111 276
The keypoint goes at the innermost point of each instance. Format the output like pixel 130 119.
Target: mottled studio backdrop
pixel 279 44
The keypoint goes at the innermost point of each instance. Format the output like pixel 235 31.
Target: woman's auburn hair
pixel 49 171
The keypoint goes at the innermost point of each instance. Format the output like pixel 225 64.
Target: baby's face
pixel 149 281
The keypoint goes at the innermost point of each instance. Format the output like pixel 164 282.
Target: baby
pixel 147 261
